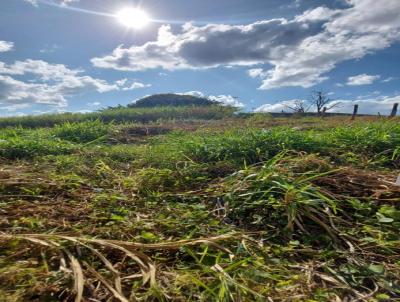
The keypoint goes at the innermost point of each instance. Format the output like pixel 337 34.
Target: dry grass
pixel 146 268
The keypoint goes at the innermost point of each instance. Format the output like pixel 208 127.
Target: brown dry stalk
pixel 130 249
pixel 175 245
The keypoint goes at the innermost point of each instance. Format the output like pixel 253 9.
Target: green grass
pixel 359 144
pixel 84 132
pixel 306 211
pixel 22 143
pixel 121 115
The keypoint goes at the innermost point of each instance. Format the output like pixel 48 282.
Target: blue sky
pixel 75 55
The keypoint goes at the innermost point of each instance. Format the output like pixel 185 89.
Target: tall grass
pixel 60 140
pixel 121 115
pixel 31 146
pixel 361 142
pixel 84 132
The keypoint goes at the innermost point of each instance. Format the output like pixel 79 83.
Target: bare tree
pixel 320 99
pixel 298 106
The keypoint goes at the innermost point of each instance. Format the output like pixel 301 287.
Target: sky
pixel 261 55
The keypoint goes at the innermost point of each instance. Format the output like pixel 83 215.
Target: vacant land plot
pixel 217 208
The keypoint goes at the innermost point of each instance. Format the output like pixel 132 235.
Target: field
pixel 197 204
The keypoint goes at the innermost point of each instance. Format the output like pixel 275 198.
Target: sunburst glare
pixel 133 17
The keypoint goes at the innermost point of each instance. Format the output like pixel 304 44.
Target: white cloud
pixel 13 92
pixel 277 107
pixel 33 2
pixel 15 107
pixel 12 113
pixel 321 13
pixel 294 4
pixel 301 50
pixel 136 85
pixel 51 84
pixel 94 104
pixel 362 79
pixel 84 111
pixel 59 2
pixel 382 105
pixel 121 82
pixel 43 69
pixel 389 79
pixel 257 73
pixel 226 100
pixel 49 48
pixel 66 2
pixel 205 47
pixel 125 84
pixel 6 46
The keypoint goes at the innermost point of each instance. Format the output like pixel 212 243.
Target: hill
pixel 171 99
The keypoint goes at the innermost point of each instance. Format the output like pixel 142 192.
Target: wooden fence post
pixel 394 110
pixel 353 117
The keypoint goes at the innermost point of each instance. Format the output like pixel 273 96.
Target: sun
pixel 133 17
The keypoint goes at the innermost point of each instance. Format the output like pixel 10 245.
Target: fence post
pixel 394 110
pixel 353 117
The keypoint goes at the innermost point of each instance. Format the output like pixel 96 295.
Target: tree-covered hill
pixel 171 99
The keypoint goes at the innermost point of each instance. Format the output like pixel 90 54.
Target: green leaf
pixel 390 211
pixel 368 239
pixel 386 220
pixel 377 268
pixel 148 236
pixel 117 217
pixel 382 297
pixel 383 219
